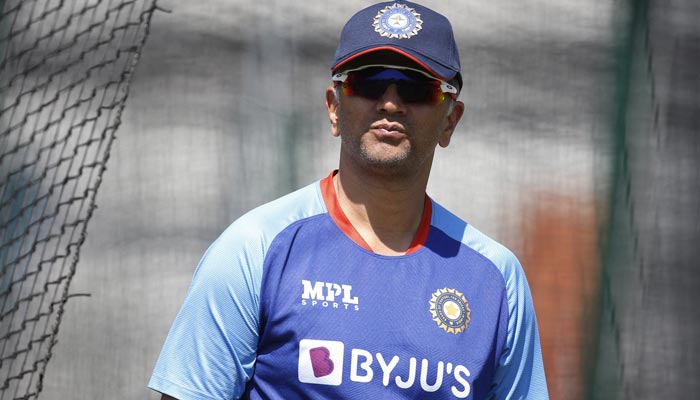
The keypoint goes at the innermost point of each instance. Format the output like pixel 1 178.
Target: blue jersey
pixel 290 303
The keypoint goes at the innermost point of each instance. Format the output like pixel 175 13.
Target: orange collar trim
pixel 330 198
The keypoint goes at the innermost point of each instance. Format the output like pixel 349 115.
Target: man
pixel 360 286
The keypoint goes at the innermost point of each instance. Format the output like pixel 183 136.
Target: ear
pixel 332 107
pixel 452 120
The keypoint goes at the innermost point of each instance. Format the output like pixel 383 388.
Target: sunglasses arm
pixel 340 77
pixel 447 88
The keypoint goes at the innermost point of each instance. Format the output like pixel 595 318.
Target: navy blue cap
pixel 401 33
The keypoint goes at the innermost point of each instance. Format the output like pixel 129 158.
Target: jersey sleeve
pixel 520 370
pixel 210 350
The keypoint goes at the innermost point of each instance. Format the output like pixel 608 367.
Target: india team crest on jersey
pixel 450 310
pixel 397 21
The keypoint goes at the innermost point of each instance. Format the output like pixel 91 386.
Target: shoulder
pixel 216 332
pixel 265 222
pixel 246 241
pixel 458 229
pixel 517 291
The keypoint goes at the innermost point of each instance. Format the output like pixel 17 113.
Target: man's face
pixel 388 135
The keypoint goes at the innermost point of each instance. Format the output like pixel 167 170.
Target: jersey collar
pixel 330 198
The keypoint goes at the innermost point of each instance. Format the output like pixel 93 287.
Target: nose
pixel 390 102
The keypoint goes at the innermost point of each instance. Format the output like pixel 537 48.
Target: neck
pixel 385 211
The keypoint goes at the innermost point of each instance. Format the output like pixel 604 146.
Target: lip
pixel 388 128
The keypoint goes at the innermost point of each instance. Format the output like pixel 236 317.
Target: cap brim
pixel 391 55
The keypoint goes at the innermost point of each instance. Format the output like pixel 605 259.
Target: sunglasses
pixel 413 87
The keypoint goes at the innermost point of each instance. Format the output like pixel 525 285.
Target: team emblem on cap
pixel 450 310
pixel 397 21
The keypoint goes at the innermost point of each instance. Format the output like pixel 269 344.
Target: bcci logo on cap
pixel 450 310
pixel 321 362
pixel 397 21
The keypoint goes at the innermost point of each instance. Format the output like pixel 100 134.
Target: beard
pixel 393 160
pixel 380 158
pixel 401 156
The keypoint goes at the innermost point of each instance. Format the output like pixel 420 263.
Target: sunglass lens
pixel 419 92
pixel 371 89
pixel 414 91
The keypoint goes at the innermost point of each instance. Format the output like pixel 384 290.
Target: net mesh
pixel 64 75
pixel 649 320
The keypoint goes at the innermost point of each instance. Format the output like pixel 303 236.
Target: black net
pixel 65 68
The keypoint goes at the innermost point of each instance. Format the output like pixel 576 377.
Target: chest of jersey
pixel 343 322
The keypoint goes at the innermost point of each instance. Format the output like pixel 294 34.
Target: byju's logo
pixel 321 362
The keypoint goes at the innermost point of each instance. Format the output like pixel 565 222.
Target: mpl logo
pixel 321 362
pixel 328 295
